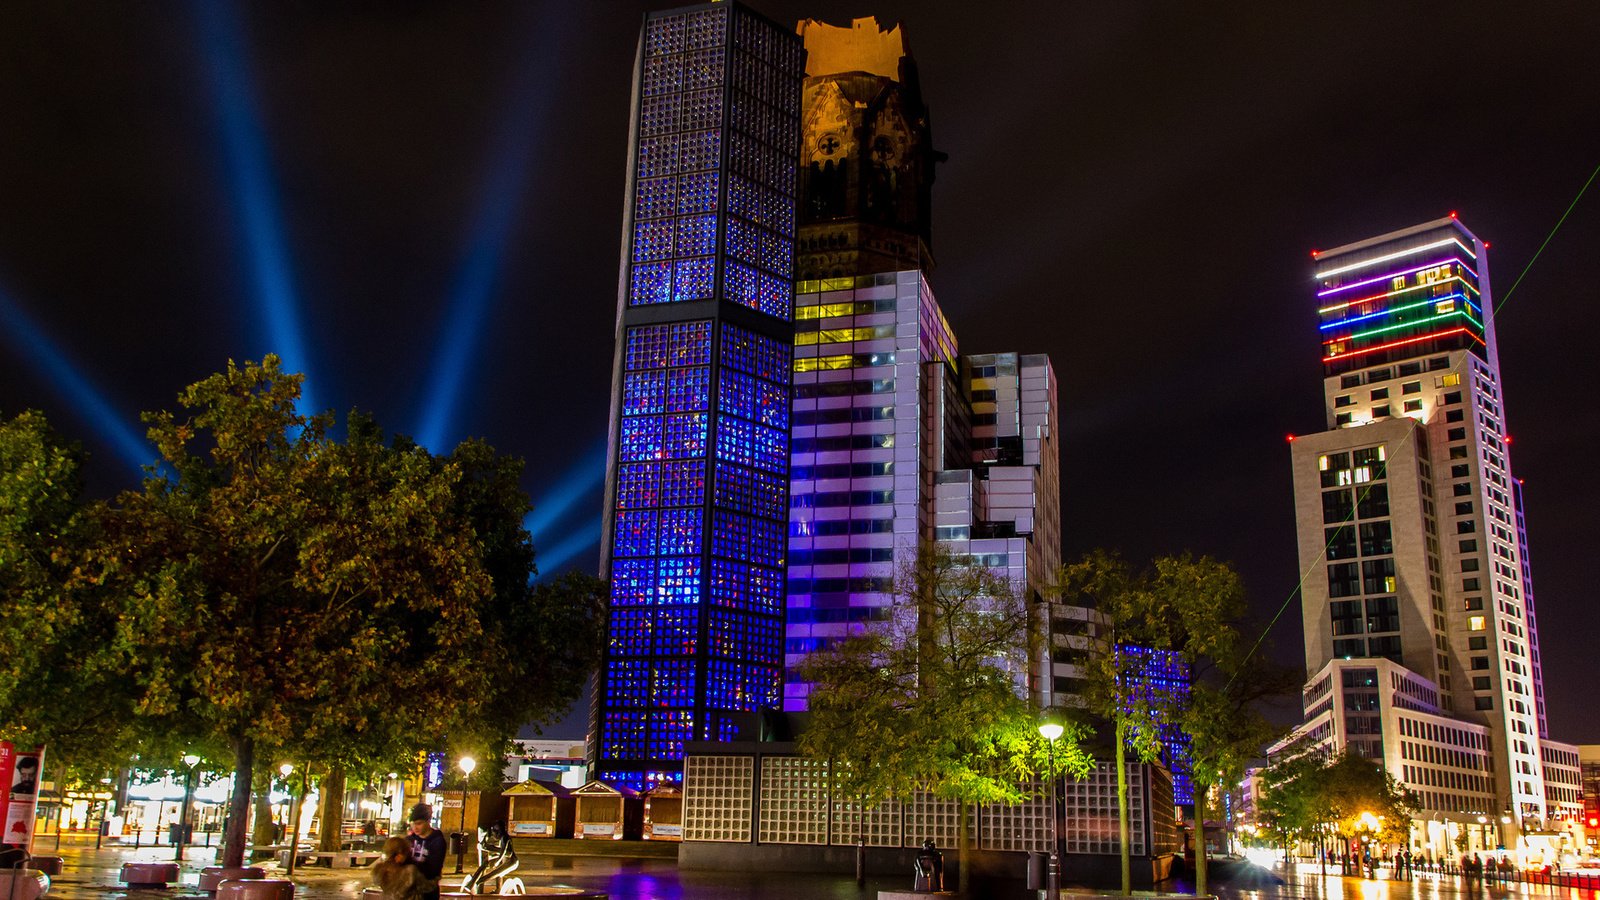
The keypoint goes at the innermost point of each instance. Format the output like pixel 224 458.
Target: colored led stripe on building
pixel 1382 278
pixel 1406 290
pixel 1396 255
pixel 1388 328
pixel 1431 301
pixel 1439 334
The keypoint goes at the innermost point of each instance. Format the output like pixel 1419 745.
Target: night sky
pixel 429 195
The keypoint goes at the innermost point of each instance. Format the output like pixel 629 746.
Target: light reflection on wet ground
pixel 92 875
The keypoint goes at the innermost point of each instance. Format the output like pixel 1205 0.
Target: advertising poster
pixel 8 760
pixel 22 795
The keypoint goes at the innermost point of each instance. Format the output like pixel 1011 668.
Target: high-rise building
pixel 899 443
pixel 697 482
pixel 1421 650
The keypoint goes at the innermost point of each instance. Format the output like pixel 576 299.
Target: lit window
pixel 1475 623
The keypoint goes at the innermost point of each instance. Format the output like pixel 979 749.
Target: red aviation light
pixel 1452 214
pixel 1291 438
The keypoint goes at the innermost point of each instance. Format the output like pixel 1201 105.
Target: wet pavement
pixel 90 874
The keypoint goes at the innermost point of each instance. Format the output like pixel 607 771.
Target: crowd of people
pixel 1404 864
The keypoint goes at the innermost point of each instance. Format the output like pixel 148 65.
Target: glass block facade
pixel 697 489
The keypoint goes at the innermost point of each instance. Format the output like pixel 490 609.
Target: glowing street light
pixel 467 764
pixel 189 762
pixel 1051 731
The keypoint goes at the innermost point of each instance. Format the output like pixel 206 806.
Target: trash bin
pixel 458 842
pixel 176 831
pixel 1038 861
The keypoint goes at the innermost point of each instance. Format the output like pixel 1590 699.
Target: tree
pixel 1182 608
pixel 286 592
pixel 59 681
pixel 1226 730
pixel 931 699
pixel 1311 794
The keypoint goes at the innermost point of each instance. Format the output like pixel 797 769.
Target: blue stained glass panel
pixel 771 449
pixel 629 682
pixel 652 283
pixel 697 193
pixel 691 279
pixel 638 485
pixel 646 347
pixel 652 240
pixel 636 532
pixel 734 441
pixel 643 393
pixel 683 483
pixel 680 531
pixel 739 284
pixel 702 150
pixel 690 343
pixel 673 684
pixel 657 198
pixel 736 394
pixel 689 390
pixel 658 156
pixel 678 581
pixel 775 295
pixel 772 405
pixel 677 631
pixel 641 438
pixel 633 582
pixel 701 109
pixel 685 436
pixel 697 235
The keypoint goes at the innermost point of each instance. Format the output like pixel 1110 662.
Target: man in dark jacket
pixel 428 848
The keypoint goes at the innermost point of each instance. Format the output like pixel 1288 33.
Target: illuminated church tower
pixel 697 492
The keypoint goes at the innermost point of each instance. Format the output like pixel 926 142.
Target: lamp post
pixel 1505 819
pixel 1051 731
pixel 286 770
pixel 189 762
pixel 467 764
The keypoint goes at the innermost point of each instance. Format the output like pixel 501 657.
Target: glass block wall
pixel 697 489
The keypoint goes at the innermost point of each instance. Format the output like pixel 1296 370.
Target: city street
pixel 92 875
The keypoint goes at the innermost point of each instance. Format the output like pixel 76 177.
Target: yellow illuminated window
pixel 823 362
pixel 1451 380
pixel 1475 623
pixel 1322 463
pixel 1444 306
pixel 824 310
pixel 1388 585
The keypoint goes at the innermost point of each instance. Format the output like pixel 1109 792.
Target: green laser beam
pixel 1300 585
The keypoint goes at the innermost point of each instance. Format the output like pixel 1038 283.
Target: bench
pixel 256 889
pixel 344 859
pixel 213 876
pixel 50 865
pixel 23 884
pixel 149 874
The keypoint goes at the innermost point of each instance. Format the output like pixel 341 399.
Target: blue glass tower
pixel 697 486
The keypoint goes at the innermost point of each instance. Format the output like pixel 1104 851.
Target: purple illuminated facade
pixel 697 483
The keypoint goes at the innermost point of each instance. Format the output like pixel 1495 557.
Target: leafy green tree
pixel 931 700
pixel 1309 795
pixel 288 593
pixel 59 674
pixel 1222 717
pixel 1181 605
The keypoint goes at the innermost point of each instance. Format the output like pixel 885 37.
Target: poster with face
pixel 22 794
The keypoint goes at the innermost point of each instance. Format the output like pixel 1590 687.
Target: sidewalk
pixel 89 874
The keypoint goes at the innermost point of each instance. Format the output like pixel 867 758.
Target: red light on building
pixel 1507 438
pixel 1452 214
pixel 1316 253
pixel 1291 438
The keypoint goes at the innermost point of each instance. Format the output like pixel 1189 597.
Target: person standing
pixel 397 875
pixel 428 848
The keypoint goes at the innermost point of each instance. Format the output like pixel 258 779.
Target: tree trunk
pixel 963 838
pixel 244 764
pixel 861 842
pixel 330 810
pixel 1201 791
pixel 265 833
pixel 1122 809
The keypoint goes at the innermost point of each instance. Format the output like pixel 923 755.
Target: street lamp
pixel 467 764
pixel 286 770
pixel 1051 731
pixel 189 761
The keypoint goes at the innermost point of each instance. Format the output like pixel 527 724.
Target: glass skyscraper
pixel 697 487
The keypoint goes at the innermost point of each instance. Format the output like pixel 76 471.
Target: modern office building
pixel 1421 650
pixel 697 482
pixel 899 442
